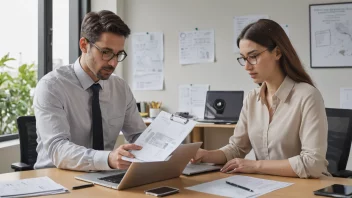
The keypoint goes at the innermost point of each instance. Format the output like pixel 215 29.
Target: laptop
pixel 222 107
pixel 193 169
pixel 140 173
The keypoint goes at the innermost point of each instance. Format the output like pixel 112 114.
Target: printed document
pixel 221 188
pixel 161 138
pixel 192 98
pixel 148 60
pixel 196 47
pixel 30 187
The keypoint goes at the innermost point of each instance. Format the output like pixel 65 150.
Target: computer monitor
pixel 223 105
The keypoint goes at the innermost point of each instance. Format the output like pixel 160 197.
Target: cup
pixel 153 112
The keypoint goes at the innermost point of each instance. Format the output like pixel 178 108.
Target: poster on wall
pixel 196 47
pixel 148 60
pixel 330 35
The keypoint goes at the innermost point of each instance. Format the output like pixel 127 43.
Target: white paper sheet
pixel 162 137
pixel 148 61
pixel 30 187
pixel 192 99
pixel 196 47
pixel 331 35
pixel 259 186
pixel 240 22
pixel 346 98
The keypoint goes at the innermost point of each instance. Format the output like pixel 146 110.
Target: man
pixel 81 108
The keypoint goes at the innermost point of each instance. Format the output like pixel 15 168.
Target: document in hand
pixel 161 138
pixel 220 187
pixel 31 187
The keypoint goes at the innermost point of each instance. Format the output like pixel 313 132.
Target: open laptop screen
pixel 223 105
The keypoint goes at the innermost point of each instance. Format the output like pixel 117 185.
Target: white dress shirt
pixel 63 110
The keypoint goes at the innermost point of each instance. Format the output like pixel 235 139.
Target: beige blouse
pixel 298 130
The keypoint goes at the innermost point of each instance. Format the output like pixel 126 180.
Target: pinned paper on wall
pixel 148 60
pixel 240 22
pixel 192 98
pixel 346 98
pixel 196 47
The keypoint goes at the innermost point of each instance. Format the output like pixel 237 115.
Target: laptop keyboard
pixel 113 178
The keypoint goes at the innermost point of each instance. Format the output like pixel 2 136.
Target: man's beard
pixel 102 77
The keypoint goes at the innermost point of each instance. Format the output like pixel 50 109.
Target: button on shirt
pixel 297 132
pixel 63 109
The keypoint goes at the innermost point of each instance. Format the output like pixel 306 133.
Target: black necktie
pixel 98 138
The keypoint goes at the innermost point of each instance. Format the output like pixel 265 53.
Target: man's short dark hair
pixel 95 23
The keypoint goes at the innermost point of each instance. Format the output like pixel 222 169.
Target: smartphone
pixel 335 190
pixel 162 191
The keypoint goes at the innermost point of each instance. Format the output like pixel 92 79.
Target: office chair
pixel 339 141
pixel 28 143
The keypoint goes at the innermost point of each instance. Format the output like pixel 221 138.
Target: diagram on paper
pixel 196 47
pixel 147 61
pixel 338 39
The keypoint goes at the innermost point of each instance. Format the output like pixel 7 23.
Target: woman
pixel 283 121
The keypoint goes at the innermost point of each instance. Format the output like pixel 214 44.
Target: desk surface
pixel 300 188
pixel 205 125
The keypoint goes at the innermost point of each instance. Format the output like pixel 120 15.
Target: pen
pixel 238 186
pixel 82 186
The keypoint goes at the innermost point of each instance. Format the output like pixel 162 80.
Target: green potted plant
pixel 15 93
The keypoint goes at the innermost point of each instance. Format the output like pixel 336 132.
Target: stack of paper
pixel 31 187
pixel 220 187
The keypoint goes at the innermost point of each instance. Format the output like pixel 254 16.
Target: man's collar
pixel 85 80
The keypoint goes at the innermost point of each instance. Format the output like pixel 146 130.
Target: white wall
pixel 173 16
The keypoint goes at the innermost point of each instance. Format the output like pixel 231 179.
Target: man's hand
pixel 115 156
pixel 238 165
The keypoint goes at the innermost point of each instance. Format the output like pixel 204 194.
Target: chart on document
pixel 162 137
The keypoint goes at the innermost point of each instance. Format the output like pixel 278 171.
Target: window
pixel 60 33
pixel 19 60
pixel 36 37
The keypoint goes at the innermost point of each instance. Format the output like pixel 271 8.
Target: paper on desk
pixel 259 186
pixel 192 98
pixel 346 98
pixel 161 138
pixel 30 187
pixel 196 47
pixel 147 60
pixel 240 22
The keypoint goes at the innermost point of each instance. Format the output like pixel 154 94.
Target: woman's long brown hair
pixel 270 34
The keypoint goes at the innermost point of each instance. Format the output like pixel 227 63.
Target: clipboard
pixel 161 138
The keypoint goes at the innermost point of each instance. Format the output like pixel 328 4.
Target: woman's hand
pixel 201 153
pixel 238 165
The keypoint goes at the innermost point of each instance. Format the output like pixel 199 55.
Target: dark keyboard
pixel 113 178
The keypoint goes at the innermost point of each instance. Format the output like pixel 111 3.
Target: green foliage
pixel 15 97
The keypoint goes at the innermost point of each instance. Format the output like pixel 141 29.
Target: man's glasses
pixel 252 59
pixel 107 55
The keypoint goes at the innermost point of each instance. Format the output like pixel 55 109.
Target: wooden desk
pixel 197 134
pixel 300 188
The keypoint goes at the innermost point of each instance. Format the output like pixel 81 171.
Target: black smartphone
pixel 162 191
pixel 335 190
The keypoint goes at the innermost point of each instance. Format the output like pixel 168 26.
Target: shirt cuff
pixel 227 151
pixel 298 166
pixel 100 160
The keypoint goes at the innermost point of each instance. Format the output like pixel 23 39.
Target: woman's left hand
pixel 238 165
